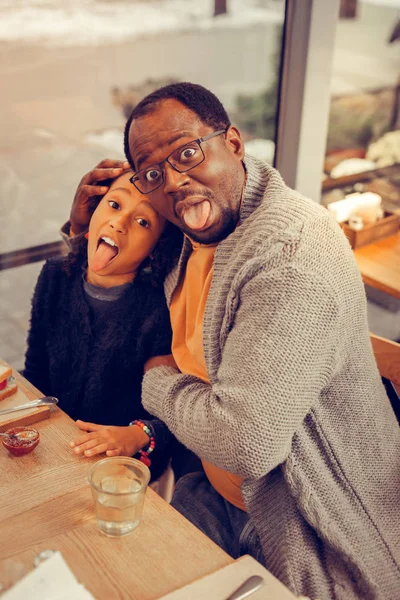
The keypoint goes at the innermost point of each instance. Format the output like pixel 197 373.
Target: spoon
pixel 252 584
pixel 47 400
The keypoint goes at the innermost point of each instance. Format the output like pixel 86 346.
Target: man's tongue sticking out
pixel 103 255
pixel 196 216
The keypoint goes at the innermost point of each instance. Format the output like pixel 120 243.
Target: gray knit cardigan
pixel 295 404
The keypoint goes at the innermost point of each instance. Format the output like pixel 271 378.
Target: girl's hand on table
pixel 109 439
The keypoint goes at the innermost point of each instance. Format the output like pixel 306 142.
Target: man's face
pixel 204 202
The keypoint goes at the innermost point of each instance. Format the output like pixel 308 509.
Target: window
pixel 72 71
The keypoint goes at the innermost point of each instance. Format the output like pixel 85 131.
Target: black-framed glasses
pixel 182 159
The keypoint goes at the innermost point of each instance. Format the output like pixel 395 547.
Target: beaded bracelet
pixel 144 452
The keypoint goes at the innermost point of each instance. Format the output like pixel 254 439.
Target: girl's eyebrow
pixel 119 189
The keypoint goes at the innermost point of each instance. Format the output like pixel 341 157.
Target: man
pixel 273 382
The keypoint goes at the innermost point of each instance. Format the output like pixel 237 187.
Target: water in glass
pixel 119 509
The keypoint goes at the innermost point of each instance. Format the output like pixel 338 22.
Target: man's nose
pixel 173 180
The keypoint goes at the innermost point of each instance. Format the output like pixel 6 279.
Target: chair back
pixel 387 356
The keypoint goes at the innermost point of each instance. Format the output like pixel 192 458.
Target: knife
pixel 252 584
pixel 46 401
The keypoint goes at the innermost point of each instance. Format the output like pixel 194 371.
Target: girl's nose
pixel 119 223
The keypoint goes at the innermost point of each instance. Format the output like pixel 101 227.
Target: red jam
pixel 22 444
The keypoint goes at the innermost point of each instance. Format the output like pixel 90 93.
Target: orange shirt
pixel 187 308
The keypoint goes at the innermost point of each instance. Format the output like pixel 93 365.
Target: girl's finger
pixel 97 449
pixel 115 452
pixel 78 441
pixel 92 443
pixel 83 438
pixel 88 426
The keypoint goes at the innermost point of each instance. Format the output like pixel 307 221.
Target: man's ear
pixel 235 142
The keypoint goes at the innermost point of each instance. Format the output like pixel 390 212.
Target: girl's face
pixel 123 231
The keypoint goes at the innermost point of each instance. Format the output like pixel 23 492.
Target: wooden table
pixel 46 503
pixel 379 264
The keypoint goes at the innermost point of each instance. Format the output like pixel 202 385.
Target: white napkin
pixel 51 580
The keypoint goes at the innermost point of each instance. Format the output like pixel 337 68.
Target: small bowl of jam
pixel 23 443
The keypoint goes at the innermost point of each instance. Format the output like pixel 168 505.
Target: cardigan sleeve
pixel 278 356
pixel 36 358
pixel 160 336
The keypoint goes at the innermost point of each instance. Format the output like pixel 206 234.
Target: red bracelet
pixel 144 452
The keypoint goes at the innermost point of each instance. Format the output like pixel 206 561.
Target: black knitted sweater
pixel 93 367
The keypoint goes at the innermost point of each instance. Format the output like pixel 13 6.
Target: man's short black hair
pixel 197 98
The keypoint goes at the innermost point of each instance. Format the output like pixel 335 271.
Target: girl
pixel 97 316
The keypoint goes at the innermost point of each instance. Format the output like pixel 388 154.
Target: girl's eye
pixel 142 222
pixel 152 175
pixel 113 204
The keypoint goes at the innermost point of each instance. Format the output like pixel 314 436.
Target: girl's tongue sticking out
pixel 106 251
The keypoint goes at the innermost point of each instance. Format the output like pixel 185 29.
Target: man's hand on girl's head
pixel 90 188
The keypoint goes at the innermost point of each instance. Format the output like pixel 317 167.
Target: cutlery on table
pixel 252 584
pixel 26 435
pixel 46 401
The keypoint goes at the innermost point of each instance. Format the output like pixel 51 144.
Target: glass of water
pixel 118 487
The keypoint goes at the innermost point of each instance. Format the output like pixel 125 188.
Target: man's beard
pixel 226 226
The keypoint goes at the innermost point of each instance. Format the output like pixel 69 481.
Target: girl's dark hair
pixel 163 258
pixel 165 253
